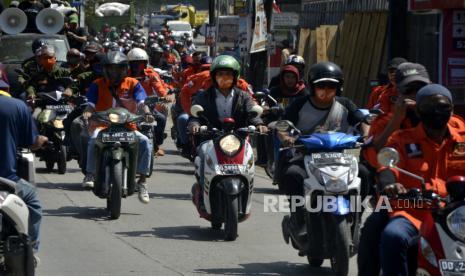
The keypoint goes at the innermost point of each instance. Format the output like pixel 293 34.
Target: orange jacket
pixel 186 73
pixel 435 163
pixel 152 83
pixel 375 95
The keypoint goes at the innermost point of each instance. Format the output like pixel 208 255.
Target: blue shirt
pixel 18 130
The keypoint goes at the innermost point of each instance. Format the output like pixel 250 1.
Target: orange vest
pixel 125 92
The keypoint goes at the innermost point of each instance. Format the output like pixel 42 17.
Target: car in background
pixel 180 29
pixel 158 21
pixel 15 49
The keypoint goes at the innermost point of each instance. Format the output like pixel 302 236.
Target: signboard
pixel 453 53
pixel 228 31
pixel 435 4
pixel 240 7
pixel 259 38
pixel 284 20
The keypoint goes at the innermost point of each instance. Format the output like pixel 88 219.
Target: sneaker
pixel 143 193
pixel 88 181
pixel 36 261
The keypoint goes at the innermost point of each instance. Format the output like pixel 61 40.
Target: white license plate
pixel 331 157
pixel 59 108
pixel 124 137
pixel 230 169
pixel 452 266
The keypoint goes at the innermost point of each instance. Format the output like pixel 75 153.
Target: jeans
pixel 293 185
pixel 183 119
pixel 143 158
pixel 28 194
pixel 160 129
pixel 398 239
pixel 368 259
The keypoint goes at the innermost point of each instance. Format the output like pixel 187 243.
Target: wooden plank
pixel 310 51
pixel 321 42
pixel 331 35
pixel 363 80
pixel 350 52
pixel 340 40
pixel 380 48
pixel 346 37
pixel 303 40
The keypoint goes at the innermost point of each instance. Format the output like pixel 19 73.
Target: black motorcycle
pixel 116 151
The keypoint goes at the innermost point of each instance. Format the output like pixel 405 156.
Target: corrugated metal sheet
pixel 330 12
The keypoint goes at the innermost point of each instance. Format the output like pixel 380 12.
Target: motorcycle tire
pixel 314 262
pixel 49 164
pixel 61 160
pixel 174 134
pixel 231 221
pixel 269 170
pixel 114 198
pixel 340 262
pixel 216 225
pixel 152 161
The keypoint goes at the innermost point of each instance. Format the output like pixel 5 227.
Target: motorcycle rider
pixel 432 150
pixel 192 69
pixel 48 73
pixel 224 100
pixel 190 46
pixel 30 66
pixel 116 89
pixel 152 84
pixel 156 53
pixel 19 130
pixel 90 51
pixel 321 111
pixel 74 63
pixel 297 61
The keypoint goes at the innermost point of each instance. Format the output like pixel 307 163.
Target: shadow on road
pixel 276 268
pixel 171 196
pixel 88 213
pixel 193 233
pixel 174 171
pixel 62 186
pixel 55 171
pixel 270 191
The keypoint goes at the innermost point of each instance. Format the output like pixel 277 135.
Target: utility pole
pixel 212 19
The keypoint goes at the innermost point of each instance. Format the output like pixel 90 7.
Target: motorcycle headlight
pixel 230 144
pixel 115 118
pixel 331 183
pixel 456 223
pixel 428 252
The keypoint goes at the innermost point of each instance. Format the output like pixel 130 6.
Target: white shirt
pixel 224 104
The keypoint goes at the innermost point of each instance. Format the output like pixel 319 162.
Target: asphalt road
pixel 165 237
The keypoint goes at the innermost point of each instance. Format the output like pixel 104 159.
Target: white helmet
pixel 138 54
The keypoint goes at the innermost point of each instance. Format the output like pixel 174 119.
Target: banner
pixel 259 39
pixel 228 32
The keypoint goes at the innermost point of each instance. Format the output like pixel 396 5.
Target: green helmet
pixel 226 62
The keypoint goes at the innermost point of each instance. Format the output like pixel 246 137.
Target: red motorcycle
pixel 441 246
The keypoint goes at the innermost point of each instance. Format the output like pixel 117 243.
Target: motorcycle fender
pixel 231 185
pixel 117 154
pixel 343 206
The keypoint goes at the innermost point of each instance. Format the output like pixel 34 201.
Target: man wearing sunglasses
pixel 321 111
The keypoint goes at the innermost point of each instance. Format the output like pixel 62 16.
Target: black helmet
pixel 37 43
pixel 206 60
pixel 326 72
pixel 115 67
pixel 116 58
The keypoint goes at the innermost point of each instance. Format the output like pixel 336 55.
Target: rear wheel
pixel 61 161
pixel 231 223
pixel 314 262
pixel 114 204
pixel 216 225
pixel 49 164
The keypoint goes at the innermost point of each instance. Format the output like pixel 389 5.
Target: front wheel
pixel 340 262
pixel 314 262
pixel 49 164
pixel 61 160
pixel 114 198
pixel 231 223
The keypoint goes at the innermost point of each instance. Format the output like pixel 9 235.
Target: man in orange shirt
pixel 192 69
pixel 430 150
pixel 152 84
pixel 115 89
pixel 377 96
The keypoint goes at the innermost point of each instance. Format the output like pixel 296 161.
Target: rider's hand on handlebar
pixel 195 129
pixel 68 92
pixel 262 129
pixel 288 141
pixel 149 118
pixel 395 189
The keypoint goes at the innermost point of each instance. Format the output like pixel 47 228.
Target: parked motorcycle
pixel 332 171
pixel 441 249
pixel 227 171
pixel 116 150
pixel 16 256
pixel 50 110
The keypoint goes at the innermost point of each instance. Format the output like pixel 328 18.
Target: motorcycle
pixel 332 171
pixel 441 248
pixel 228 173
pixel 25 165
pixel 116 150
pixel 16 256
pixel 50 110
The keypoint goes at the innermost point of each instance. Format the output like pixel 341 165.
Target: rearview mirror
pixel 388 157
pixel 196 110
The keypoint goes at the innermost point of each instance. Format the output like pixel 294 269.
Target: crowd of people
pixel 123 68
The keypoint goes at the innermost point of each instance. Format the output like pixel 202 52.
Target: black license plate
pixel 124 137
pixel 452 266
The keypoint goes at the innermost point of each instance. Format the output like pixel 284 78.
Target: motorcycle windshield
pixel 329 141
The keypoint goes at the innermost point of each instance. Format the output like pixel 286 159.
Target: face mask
pixel 47 63
pixel 435 119
pixel 224 82
pixel 323 96
pixel 137 69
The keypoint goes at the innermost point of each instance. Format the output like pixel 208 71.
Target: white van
pixel 179 28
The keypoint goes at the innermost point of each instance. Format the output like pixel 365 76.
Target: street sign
pixel 284 20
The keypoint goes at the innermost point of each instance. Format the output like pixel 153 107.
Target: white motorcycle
pixel 16 257
pixel 228 171
pixel 331 233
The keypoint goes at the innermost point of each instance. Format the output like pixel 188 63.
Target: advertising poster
pixel 259 38
pixel 228 31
